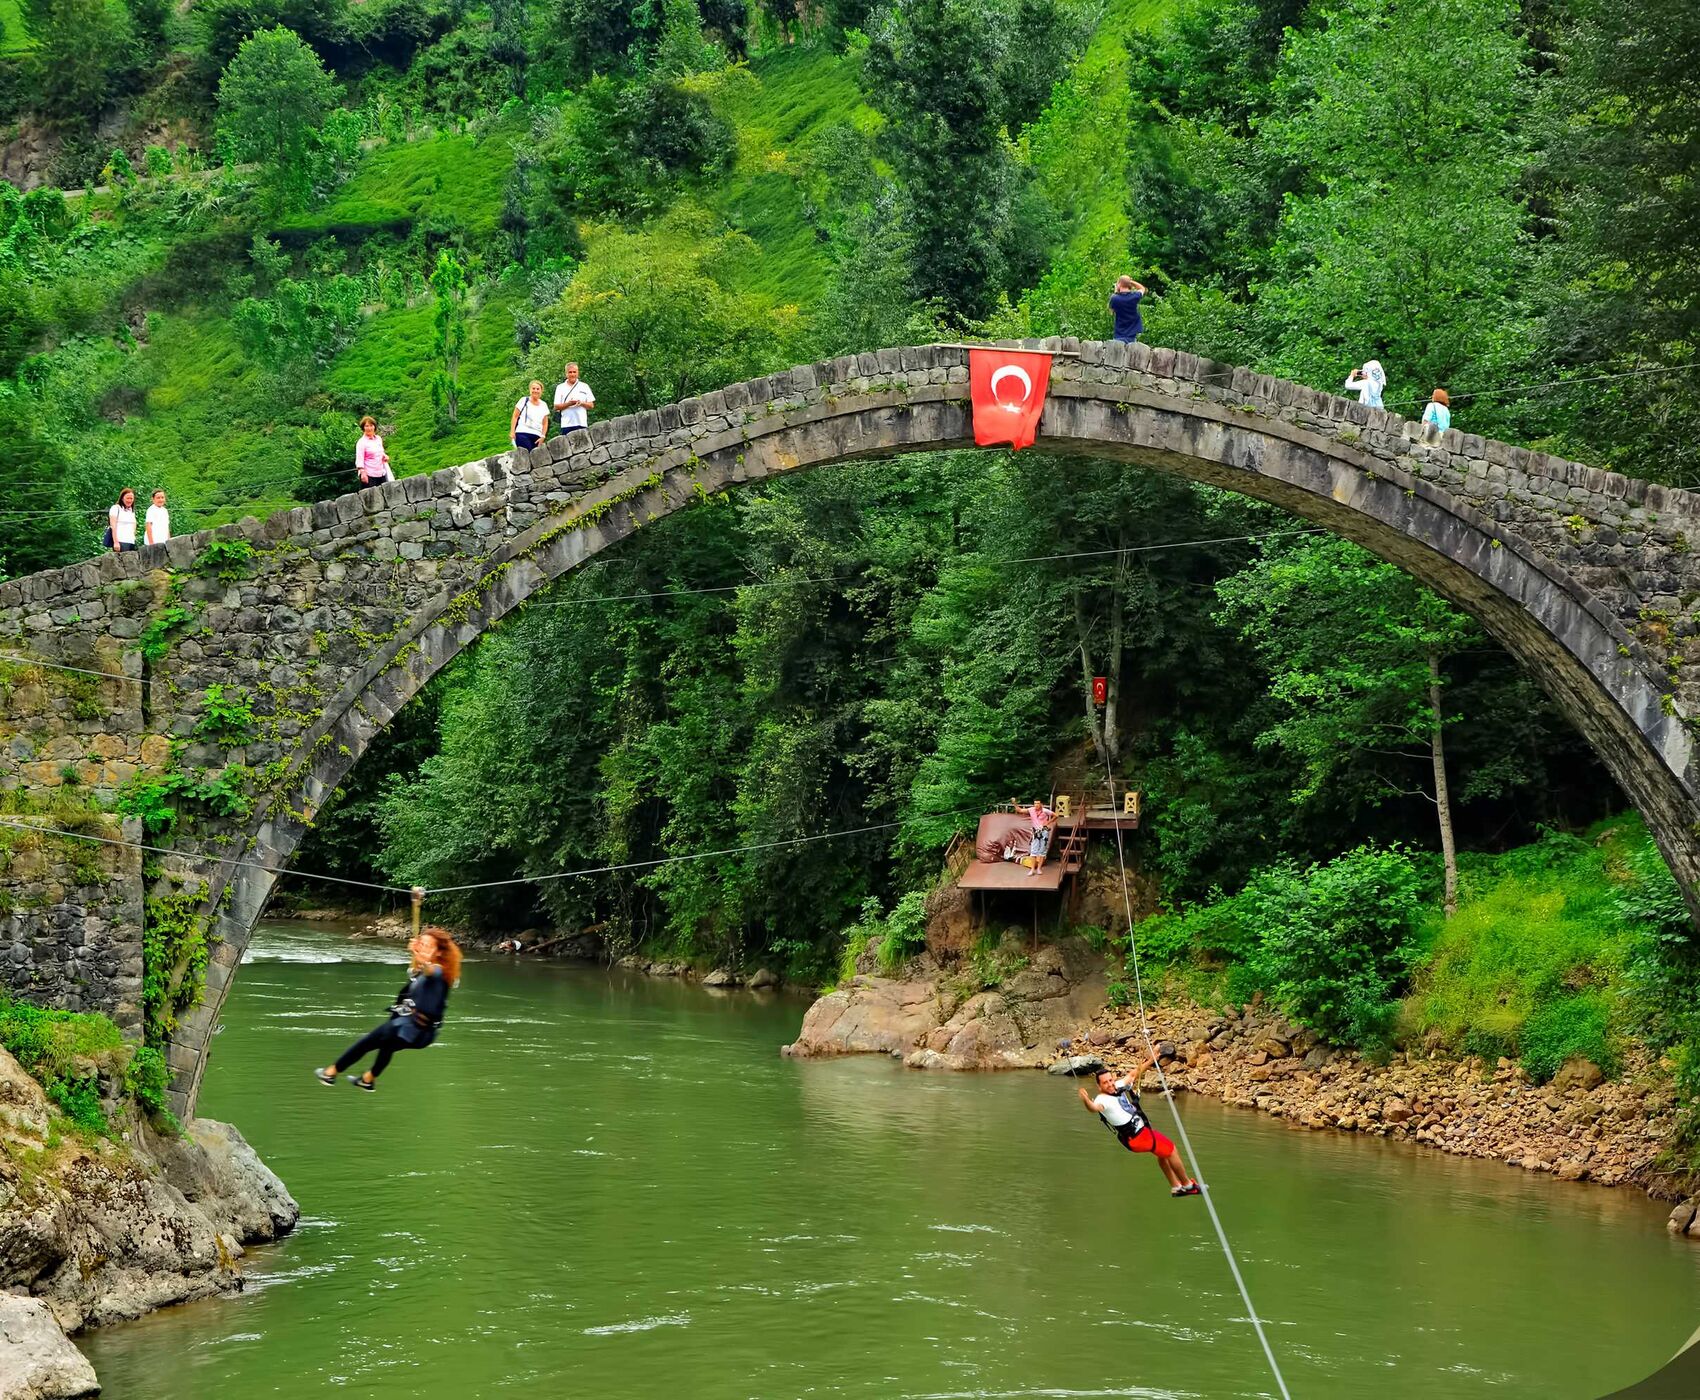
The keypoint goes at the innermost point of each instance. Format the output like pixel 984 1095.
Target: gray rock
pixel 763 978
pixel 37 1360
pixel 1076 1064
pixel 721 977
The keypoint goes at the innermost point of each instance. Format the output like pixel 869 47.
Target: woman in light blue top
pixel 1369 382
pixel 1437 417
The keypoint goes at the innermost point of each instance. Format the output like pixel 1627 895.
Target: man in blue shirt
pixel 1124 304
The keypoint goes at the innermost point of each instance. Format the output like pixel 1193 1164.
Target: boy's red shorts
pixel 1148 1139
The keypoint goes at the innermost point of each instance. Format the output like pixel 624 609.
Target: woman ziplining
pixel 418 1011
pixel 1117 1105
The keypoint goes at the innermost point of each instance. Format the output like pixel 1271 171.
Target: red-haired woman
pixel 418 1012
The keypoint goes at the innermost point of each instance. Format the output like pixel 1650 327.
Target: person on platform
pixel 1044 824
pixel 1117 1105
pixel 1368 381
pixel 1124 306
pixel 1437 417
pixel 573 401
pixel 158 525
pixel 530 425
pixel 371 462
pixel 415 1018
pixel 121 522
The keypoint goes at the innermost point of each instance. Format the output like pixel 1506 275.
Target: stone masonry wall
pixel 265 655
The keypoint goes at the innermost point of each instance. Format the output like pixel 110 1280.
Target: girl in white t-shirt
pixel 121 522
pixel 530 425
pixel 158 521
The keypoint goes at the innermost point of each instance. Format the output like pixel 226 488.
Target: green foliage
pixel 448 283
pixel 61 1049
pixel 1336 941
pixel 174 959
pixel 624 145
pixel 83 52
pixel 156 798
pixel 227 715
pixel 227 560
pixel 155 640
pixel 273 103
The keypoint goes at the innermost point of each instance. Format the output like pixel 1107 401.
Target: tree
pixel 1355 651
pixel 933 69
pixel 448 282
pixel 271 99
pixel 83 57
pixel 508 44
pixel 665 324
pixel 1623 276
pixel 1405 239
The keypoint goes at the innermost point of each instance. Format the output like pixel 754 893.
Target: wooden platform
pixel 1008 875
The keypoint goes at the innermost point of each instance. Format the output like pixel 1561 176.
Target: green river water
pixel 597 1185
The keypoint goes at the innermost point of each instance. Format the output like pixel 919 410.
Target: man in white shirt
pixel 1117 1104
pixel 158 520
pixel 573 401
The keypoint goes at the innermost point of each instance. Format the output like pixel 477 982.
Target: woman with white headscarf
pixel 1369 382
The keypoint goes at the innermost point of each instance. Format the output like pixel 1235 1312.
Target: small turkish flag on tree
pixel 1008 388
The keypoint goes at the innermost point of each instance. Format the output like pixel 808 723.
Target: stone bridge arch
pixel 329 618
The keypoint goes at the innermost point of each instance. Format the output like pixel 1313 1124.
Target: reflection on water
pixel 602 1186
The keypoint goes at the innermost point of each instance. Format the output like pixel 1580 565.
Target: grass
pixel 446 180
pixel 1531 965
pixel 14 34
pixel 389 368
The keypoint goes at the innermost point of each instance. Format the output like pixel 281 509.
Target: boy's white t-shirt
pixel 577 397
pixel 159 519
pixel 123 525
pixel 533 417
pixel 1111 1106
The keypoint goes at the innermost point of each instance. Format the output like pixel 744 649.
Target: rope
pixel 1169 1094
pixel 759 583
pixel 476 885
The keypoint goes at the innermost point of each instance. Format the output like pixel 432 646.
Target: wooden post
pixel 418 901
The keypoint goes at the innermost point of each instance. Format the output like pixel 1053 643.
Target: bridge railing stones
pixel 325 618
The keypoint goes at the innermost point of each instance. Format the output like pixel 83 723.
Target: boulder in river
pixel 721 977
pixel 763 978
pixel 37 1359
pixel 1076 1064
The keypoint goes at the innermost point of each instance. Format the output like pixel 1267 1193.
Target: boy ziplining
pixel 1117 1104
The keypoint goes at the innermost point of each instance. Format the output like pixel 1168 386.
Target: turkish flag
pixel 1008 388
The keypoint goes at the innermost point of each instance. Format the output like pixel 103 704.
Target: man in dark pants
pixel 1124 306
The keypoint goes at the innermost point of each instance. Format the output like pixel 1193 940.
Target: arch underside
pixel 1573 647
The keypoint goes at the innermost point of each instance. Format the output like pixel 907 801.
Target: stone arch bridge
pixel 325 620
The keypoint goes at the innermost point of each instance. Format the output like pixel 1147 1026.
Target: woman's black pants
pixel 383 1038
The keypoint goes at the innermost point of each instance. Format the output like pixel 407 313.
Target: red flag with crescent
pixel 1008 388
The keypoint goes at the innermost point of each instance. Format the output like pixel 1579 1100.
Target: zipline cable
pixel 207 858
pixel 6 657
pixel 1174 1108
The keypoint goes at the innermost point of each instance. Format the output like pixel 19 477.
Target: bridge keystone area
pixel 261 659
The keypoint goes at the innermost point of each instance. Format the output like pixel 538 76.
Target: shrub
pixel 1336 940
pixel 55 1047
pixel 1578 1024
pixel 905 931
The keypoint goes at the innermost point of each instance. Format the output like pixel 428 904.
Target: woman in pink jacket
pixel 370 459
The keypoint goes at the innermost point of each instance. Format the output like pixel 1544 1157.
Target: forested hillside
pixel 249 222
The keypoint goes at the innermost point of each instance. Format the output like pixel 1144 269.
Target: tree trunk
pixel 1113 681
pixel 1083 633
pixel 1442 796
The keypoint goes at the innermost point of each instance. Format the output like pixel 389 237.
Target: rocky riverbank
pixel 1578 1127
pixel 98 1230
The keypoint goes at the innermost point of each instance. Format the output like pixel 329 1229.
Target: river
pixel 598 1185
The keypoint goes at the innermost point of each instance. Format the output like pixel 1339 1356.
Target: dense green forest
pixel 248 222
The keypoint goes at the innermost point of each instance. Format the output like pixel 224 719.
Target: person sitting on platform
pixel 1044 823
pixel 1117 1104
